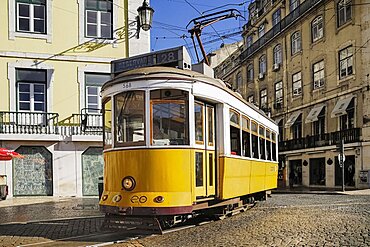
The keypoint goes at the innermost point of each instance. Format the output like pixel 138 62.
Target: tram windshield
pixel 169 117
pixel 130 116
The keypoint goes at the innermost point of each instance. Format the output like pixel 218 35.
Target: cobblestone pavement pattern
pixel 42 222
pixel 283 220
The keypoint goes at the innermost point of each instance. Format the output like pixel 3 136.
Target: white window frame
pixel 250 73
pixel 343 62
pixel 261 30
pixel 297 84
pixel 277 54
pixel 32 100
pixel 276 17
pixel 31 18
pixel 82 23
pixel 82 70
pixel 13 23
pixel 262 64
pixel 296 42
pixel 341 10
pixel 317 28
pixel 30 65
pixel 278 89
pixel 319 70
pixel 263 98
pixel 98 24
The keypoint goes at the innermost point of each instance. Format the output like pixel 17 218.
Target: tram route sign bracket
pixel 175 57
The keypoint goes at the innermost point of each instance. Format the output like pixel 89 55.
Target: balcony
pixel 28 123
pixel 45 123
pixel 327 139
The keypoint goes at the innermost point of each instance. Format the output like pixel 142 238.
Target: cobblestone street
pixel 282 220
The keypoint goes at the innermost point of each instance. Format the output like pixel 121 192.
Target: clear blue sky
pixel 172 16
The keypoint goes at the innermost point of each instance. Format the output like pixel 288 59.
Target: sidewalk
pixel 18 201
pixel 323 191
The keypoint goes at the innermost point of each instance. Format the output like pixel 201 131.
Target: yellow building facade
pixel 54 57
pixel 305 63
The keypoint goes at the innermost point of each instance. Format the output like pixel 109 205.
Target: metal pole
pixel 342 162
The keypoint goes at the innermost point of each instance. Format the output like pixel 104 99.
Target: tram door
pixel 205 152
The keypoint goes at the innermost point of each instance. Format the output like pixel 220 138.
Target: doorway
pixel 204 115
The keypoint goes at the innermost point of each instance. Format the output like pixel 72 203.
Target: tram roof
pixel 158 72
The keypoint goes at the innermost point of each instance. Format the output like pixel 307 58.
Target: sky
pixel 172 16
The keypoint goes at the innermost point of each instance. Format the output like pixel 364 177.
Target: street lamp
pixel 145 17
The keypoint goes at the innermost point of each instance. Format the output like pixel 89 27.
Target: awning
pixel 341 107
pixel 293 117
pixel 314 113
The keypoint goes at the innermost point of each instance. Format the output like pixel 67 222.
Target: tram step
pixel 135 225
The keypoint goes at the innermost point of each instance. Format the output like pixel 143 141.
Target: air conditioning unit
pixel 261 75
pixel 275 67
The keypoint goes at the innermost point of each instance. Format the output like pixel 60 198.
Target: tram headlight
pixel 128 183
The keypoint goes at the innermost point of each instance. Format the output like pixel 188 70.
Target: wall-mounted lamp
pixel 305 163
pixel 145 17
pixel 329 162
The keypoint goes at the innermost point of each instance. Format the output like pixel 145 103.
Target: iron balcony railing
pixel 48 123
pixel 327 139
pixel 285 23
pixel 82 124
pixel 28 123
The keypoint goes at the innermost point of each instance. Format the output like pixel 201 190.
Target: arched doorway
pixel 33 175
pixel 92 169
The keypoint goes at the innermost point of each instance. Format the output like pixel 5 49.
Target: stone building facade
pixel 306 64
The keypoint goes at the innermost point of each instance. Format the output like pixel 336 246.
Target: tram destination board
pixel 171 57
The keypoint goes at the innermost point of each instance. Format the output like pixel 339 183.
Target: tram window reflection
pixel 262 142
pixel 169 117
pixel 235 133
pixel 199 118
pixel 130 115
pixel 107 131
pixel 254 140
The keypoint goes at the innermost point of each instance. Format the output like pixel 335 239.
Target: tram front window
pixel 130 115
pixel 169 117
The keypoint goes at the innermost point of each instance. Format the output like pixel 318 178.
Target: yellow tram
pixel 178 143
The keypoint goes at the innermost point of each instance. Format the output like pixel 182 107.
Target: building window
pixel 31 87
pixel 276 17
pixel 250 99
pixel 277 54
pixel 297 84
pixel 31 16
pixel 94 83
pixel 346 62
pixel 262 64
pixel 347 121
pixel 293 4
pixel 250 73
pixel 249 41
pixel 296 42
pixel 278 94
pixel 98 18
pixel 317 28
pixel 263 99
pixel 344 13
pixel 297 128
pixel 239 81
pixel 318 75
pixel 261 30
pixel 281 130
pixel 319 125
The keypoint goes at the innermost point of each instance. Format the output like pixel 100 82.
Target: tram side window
pixel 268 145
pixel 262 142
pixel 130 115
pixel 235 133
pixel 273 138
pixel 246 138
pixel 199 119
pixel 169 117
pixel 254 133
pixel 107 131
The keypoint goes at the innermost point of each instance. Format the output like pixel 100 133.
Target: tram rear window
pixel 129 110
pixel 169 117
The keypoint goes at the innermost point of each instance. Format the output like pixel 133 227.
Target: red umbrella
pixel 6 154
